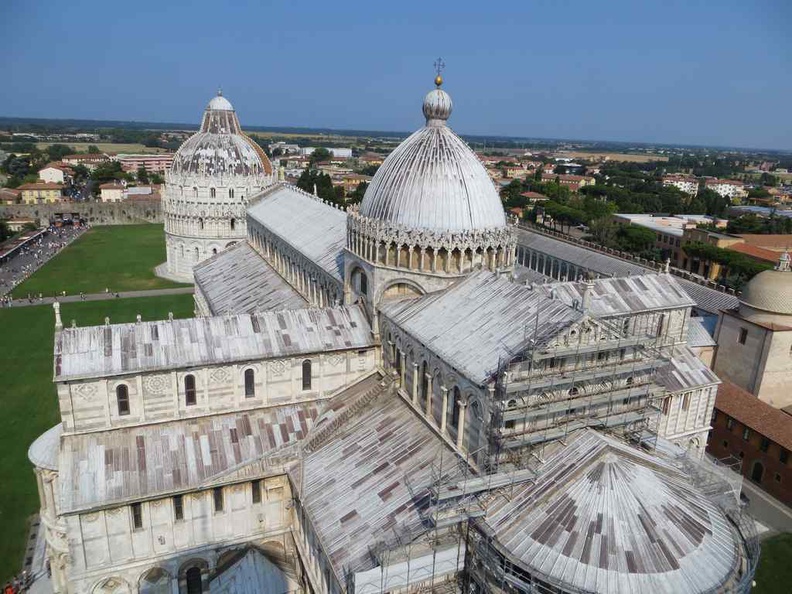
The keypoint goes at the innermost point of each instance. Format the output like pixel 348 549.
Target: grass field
pixel 774 575
pixel 106 147
pixel 28 397
pixel 628 157
pixel 118 257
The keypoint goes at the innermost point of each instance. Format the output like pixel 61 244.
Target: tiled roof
pixel 41 186
pixel 238 280
pixel 371 479
pixel 101 351
pixel 701 332
pixel 746 408
pixel 755 252
pixel 706 299
pixel 604 517
pixel 319 232
pixel 109 467
pixel 480 322
pixel 685 372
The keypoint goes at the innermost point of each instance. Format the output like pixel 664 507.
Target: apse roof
pixel 602 516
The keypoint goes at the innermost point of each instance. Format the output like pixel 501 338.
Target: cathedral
pixel 381 399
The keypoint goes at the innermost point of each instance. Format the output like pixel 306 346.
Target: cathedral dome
pixel 433 180
pixel 771 290
pixel 220 148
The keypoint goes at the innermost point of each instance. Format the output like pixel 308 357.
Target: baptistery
pixel 430 214
pixel 214 173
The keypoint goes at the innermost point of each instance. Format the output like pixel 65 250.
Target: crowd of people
pixel 34 255
pixel 21 583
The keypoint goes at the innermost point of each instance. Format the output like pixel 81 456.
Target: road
pixel 767 510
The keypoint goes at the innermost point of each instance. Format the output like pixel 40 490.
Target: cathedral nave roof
pixel 313 228
pixel 101 351
pixel 238 280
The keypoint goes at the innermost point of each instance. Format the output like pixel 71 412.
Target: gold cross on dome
pixel 439 66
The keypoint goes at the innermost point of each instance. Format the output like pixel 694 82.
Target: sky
pixel 703 72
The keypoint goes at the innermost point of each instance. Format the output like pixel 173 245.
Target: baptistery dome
pixel 220 147
pixel 214 174
pixel 433 180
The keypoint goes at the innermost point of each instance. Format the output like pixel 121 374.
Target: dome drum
pixel 428 251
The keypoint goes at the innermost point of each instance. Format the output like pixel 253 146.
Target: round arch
pixel 399 288
pixel 112 585
pixel 155 581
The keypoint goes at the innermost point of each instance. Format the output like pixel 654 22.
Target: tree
pixel 5 232
pixel 357 194
pixel 56 152
pixel 107 172
pixel 319 155
pixel 93 149
pixel 142 175
pixel 636 240
pixel 311 179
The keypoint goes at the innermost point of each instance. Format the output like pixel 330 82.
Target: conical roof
pixel 220 147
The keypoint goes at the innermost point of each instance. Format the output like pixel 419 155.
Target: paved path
pixel 770 512
pixel 103 296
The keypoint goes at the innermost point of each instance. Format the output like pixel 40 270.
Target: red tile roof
pixel 41 186
pixel 746 408
pixel 754 252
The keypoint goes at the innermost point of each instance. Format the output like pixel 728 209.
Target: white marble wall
pixel 91 405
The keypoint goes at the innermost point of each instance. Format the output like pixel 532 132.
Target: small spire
pixel 667 266
pixel 315 192
pixel 58 321
pixel 784 262
pixel 219 91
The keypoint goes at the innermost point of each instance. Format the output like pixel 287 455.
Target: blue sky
pixel 716 72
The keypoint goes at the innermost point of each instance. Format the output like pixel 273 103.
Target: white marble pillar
pixel 461 424
pixel 444 412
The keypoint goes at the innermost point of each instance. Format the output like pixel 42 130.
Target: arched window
pixel 201 222
pixel 233 224
pixel 214 251
pixel 363 284
pixel 122 398
pixel 230 192
pixel 212 193
pixel 195 192
pixel 250 385
pixel 306 374
pixel 629 381
pixel 189 390
pixel 573 391
pixel 660 321
pixel 196 254
pixel 424 384
pixel 456 403
pixel 193 579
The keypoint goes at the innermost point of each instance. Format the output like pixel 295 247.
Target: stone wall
pixel 129 212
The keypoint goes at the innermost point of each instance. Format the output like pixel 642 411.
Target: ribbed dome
pixel 771 290
pixel 220 147
pixel 433 180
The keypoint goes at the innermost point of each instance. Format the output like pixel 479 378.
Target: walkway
pixel 103 296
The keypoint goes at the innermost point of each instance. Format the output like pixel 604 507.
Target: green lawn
pixel 118 257
pixel 28 397
pixel 774 574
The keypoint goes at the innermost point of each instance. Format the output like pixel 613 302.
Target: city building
pixel 56 173
pixel 214 175
pixel 41 193
pixel 112 192
pixel 755 341
pixel 370 402
pixel 152 163
pixel 573 182
pixel 91 161
pixel 352 180
pixel 747 429
pixel 726 187
pixel 687 184
pixel 10 196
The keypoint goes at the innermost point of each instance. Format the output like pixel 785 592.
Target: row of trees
pixel 737 268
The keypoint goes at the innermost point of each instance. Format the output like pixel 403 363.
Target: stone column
pixel 409 257
pixel 415 384
pixel 429 389
pixel 402 368
pixel 444 391
pixel 461 424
